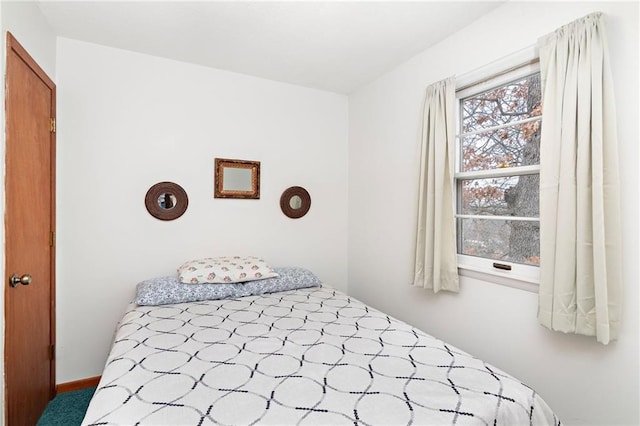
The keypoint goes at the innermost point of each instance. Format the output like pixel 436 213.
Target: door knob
pixel 14 280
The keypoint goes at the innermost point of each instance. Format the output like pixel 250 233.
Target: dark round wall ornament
pixel 166 201
pixel 295 202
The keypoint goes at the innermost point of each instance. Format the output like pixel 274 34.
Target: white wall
pixel 584 381
pixel 127 121
pixel 27 24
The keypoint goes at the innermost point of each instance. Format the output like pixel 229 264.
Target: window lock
pixel 502 266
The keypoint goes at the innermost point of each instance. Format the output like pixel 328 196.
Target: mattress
pixel 308 356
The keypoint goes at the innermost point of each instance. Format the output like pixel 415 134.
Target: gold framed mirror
pixel 166 201
pixel 237 179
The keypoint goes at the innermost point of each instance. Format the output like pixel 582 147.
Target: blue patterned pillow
pixel 289 278
pixel 169 289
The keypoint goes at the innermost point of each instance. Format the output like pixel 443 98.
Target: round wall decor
pixel 295 202
pixel 166 201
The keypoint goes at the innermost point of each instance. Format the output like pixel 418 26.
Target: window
pixel 497 175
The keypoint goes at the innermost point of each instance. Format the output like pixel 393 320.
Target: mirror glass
pixel 237 179
pixel 295 202
pixel 167 201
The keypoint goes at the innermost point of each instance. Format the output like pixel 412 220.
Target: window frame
pixel 501 72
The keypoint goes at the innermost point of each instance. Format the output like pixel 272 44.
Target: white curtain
pixel 435 258
pixel 580 236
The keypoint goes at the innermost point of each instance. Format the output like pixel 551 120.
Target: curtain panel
pixel 580 235
pixel 435 254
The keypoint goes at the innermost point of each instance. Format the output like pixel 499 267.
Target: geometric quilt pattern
pixel 309 356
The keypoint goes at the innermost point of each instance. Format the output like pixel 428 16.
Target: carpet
pixel 67 409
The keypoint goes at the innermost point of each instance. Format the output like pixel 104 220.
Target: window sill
pixel 497 277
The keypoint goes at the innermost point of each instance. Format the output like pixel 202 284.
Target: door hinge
pixel 52 352
pixel 52 238
pixel 52 123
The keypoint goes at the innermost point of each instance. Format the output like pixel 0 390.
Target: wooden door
pixel 29 237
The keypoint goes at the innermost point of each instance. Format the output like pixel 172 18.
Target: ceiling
pixel 334 46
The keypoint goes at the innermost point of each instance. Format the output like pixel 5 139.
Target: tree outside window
pixel 498 172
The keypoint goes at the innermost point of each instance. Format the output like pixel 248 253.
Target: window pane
pixel 506 240
pixel 512 146
pixel 506 104
pixel 506 196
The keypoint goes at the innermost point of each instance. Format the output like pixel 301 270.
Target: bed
pixel 305 356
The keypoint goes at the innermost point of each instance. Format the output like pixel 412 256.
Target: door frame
pixel 13 46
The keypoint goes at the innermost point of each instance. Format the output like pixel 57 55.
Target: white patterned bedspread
pixel 309 356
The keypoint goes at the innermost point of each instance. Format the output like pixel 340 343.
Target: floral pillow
pixel 222 270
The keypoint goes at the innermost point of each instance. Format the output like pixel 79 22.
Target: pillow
pixel 289 278
pixel 225 270
pixel 165 290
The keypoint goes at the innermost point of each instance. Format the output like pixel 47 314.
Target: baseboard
pixel 77 385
